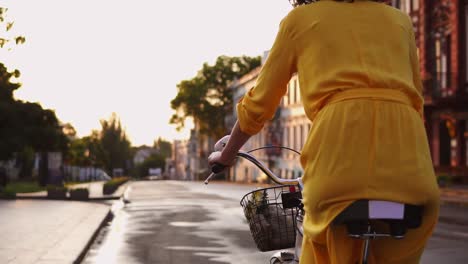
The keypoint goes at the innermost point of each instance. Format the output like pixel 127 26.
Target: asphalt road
pixel 188 222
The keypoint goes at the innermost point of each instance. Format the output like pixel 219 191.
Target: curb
pixel 108 218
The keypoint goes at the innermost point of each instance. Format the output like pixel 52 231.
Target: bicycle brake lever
pixel 215 169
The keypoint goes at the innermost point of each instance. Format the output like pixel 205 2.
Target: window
pixel 285 137
pixel 396 3
pixel 295 100
pixel 466 142
pixel 415 5
pixel 294 137
pixel 291 136
pixel 466 44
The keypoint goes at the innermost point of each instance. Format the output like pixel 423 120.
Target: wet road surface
pixel 188 222
pixel 169 222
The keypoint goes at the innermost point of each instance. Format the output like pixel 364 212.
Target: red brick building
pixel 441 28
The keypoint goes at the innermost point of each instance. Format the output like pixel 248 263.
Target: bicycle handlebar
pixel 262 167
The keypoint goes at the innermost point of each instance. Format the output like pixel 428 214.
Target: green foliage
pixel 153 161
pixel 25 125
pixel 7 85
pixel 25 159
pixel 86 151
pixel 114 148
pixel 206 97
pixel 117 181
pixel 164 147
pixel 24 187
pixel 111 186
pixel 7 194
pixel 5 26
pixel 108 148
pixel 256 203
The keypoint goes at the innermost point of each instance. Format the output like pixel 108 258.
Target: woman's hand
pixel 227 147
pixel 219 158
pixel 224 159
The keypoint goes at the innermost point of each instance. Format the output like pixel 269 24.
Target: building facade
pixel 180 160
pixel 244 171
pixel 441 31
pixel 288 128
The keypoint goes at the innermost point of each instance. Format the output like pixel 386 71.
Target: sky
pixel 87 59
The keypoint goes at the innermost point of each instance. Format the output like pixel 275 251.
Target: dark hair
pixel 305 2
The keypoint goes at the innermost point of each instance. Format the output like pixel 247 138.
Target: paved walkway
pixel 50 232
pixel 47 231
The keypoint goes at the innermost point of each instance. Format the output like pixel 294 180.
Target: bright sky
pixel 86 59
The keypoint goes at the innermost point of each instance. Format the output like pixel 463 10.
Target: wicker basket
pixel 272 226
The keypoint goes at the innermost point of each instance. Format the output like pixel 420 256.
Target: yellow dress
pixel 359 79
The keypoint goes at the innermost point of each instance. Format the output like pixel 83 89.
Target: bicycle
pixel 275 215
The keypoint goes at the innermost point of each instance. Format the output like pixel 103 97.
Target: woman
pixel 359 78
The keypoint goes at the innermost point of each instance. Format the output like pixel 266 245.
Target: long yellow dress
pixel 360 84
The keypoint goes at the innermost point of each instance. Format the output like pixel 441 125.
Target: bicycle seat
pixel 398 216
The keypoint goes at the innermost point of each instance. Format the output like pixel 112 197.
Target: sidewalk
pixel 50 231
pixel 457 195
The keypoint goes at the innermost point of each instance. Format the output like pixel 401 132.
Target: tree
pixel 164 147
pixel 25 128
pixel 206 97
pixel 154 161
pixel 25 124
pixel 6 26
pixel 115 146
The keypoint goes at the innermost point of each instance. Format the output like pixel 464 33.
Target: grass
pixel 24 187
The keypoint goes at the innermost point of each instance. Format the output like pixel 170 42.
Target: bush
pixel 24 187
pixel 443 180
pixel 7 193
pixel 112 185
pixel 56 192
pixel 79 194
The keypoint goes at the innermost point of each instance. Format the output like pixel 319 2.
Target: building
pixel 289 128
pixel 142 154
pixel 441 31
pixel 294 127
pixel 180 160
pixel 244 171
pixel 199 147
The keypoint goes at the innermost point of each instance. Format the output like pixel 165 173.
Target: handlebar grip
pixel 217 168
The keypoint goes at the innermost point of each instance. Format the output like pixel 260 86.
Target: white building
pixel 289 128
pixel 181 160
pixel 295 127
pixel 142 154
